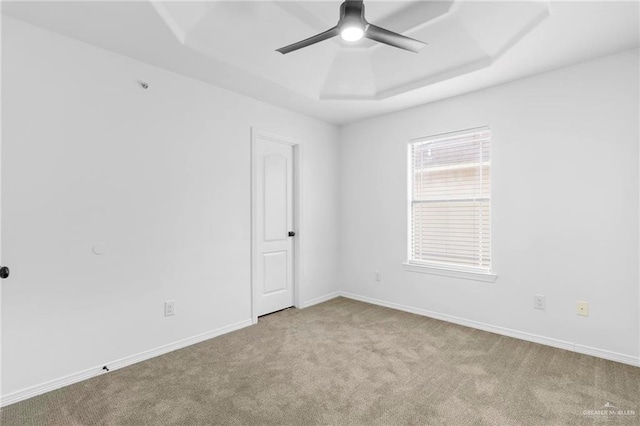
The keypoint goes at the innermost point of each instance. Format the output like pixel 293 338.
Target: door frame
pixel 256 134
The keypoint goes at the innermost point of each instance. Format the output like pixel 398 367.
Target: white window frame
pixel 410 265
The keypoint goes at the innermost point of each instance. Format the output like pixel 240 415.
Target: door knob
pixel 4 272
pixel 292 234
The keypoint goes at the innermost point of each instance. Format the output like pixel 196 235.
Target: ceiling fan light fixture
pixel 352 27
pixel 351 33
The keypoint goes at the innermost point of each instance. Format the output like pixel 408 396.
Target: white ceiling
pixel 471 45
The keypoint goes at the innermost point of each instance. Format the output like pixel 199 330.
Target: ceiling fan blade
pixel 309 41
pixel 393 39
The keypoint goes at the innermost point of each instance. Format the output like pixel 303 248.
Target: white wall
pixel 162 176
pixel 564 214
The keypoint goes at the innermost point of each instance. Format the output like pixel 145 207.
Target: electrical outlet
pixel 378 276
pixel 582 308
pixel 169 308
pixel 539 302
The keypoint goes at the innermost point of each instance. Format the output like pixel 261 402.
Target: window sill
pixel 433 270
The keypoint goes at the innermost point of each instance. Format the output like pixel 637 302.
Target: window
pixel 450 201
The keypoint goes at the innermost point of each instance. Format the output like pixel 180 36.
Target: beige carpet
pixel 348 363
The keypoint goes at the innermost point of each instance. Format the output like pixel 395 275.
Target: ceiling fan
pixel 353 26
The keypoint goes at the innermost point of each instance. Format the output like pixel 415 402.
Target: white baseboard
pixel 320 299
pixel 114 365
pixel 124 362
pixel 549 341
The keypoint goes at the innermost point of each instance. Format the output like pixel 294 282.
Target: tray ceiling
pixel 461 36
pixel 471 45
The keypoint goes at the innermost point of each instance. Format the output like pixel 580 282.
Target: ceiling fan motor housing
pixel 352 15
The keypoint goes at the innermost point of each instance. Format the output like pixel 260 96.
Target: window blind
pixel 450 200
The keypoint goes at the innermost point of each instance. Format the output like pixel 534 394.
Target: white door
pixel 273 266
